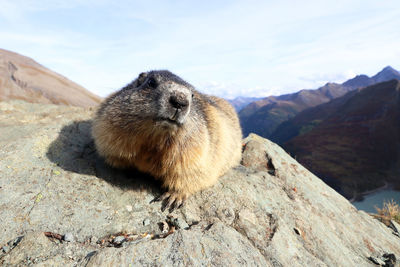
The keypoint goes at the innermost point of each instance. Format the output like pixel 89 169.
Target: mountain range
pixel 23 78
pixel 352 142
pixel 265 115
pixel 241 101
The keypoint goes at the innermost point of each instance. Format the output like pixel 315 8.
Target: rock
pixel 6 249
pixel 36 248
pixel 377 261
pixel 93 240
pixel 69 237
pixel 179 223
pixel 119 240
pixel 256 155
pixel 390 259
pixel 270 213
pixel 128 208
pixel 146 222
pixel 395 226
pixel 164 227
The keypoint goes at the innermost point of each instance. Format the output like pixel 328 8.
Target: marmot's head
pixel 161 96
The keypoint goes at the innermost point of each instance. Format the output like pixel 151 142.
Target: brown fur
pixel 185 159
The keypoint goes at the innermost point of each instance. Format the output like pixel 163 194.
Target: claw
pixel 179 203
pixel 161 197
pixel 172 201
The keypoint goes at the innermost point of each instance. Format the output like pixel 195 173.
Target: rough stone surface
pixel 395 226
pixel 271 212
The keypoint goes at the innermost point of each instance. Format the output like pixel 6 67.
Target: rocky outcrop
pixel 61 205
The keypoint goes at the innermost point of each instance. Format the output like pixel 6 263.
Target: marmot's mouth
pixel 170 121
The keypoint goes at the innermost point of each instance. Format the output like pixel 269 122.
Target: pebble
pixel 164 227
pixel 129 208
pixel 15 242
pixel 119 239
pixel 6 249
pixel 146 222
pixel 390 259
pixel 377 261
pixel 69 237
pixel 93 240
pixel 180 223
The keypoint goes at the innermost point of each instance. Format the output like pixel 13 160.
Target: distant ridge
pixel 23 78
pixel 264 116
pixel 241 101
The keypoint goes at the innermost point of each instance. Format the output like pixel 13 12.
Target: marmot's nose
pixel 179 101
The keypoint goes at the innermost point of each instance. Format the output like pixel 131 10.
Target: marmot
pixel 161 125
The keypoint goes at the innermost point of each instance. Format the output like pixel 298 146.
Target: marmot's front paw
pixel 172 201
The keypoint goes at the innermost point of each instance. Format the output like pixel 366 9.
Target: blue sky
pixel 226 48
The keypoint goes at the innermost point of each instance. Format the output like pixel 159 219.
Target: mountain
pixel 23 78
pixel 307 119
pixel 241 101
pixel 352 142
pixel 386 74
pixel 265 115
pixel 61 205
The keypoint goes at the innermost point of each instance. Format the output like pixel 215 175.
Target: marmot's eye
pixel 152 83
pixel 192 95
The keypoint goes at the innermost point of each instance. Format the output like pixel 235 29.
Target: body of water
pixel 377 199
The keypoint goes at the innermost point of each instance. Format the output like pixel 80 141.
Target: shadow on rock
pixel 74 151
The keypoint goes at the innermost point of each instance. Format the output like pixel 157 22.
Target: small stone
pixel 164 227
pixel 180 223
pixel 16 241
pixel 129 208
pixel 6 249
pixel 132 237
pixel 69 237
pixel 93 240
pixel 390 259
pixel 119 240
pixel 377 261
pixel 146 222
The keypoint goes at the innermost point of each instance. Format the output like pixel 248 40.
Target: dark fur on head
pixel 157 96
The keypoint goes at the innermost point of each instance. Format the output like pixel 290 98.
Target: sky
pixel 225 48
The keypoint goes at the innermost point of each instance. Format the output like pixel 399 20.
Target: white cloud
pixel 253 48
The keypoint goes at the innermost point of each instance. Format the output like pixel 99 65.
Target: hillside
pixel 241 101
pixel 308 119
pixel 265 115
pixel 62 206
pixel 23 78
pixel 352 142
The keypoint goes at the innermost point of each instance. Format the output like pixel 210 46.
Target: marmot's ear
pixel 142 77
